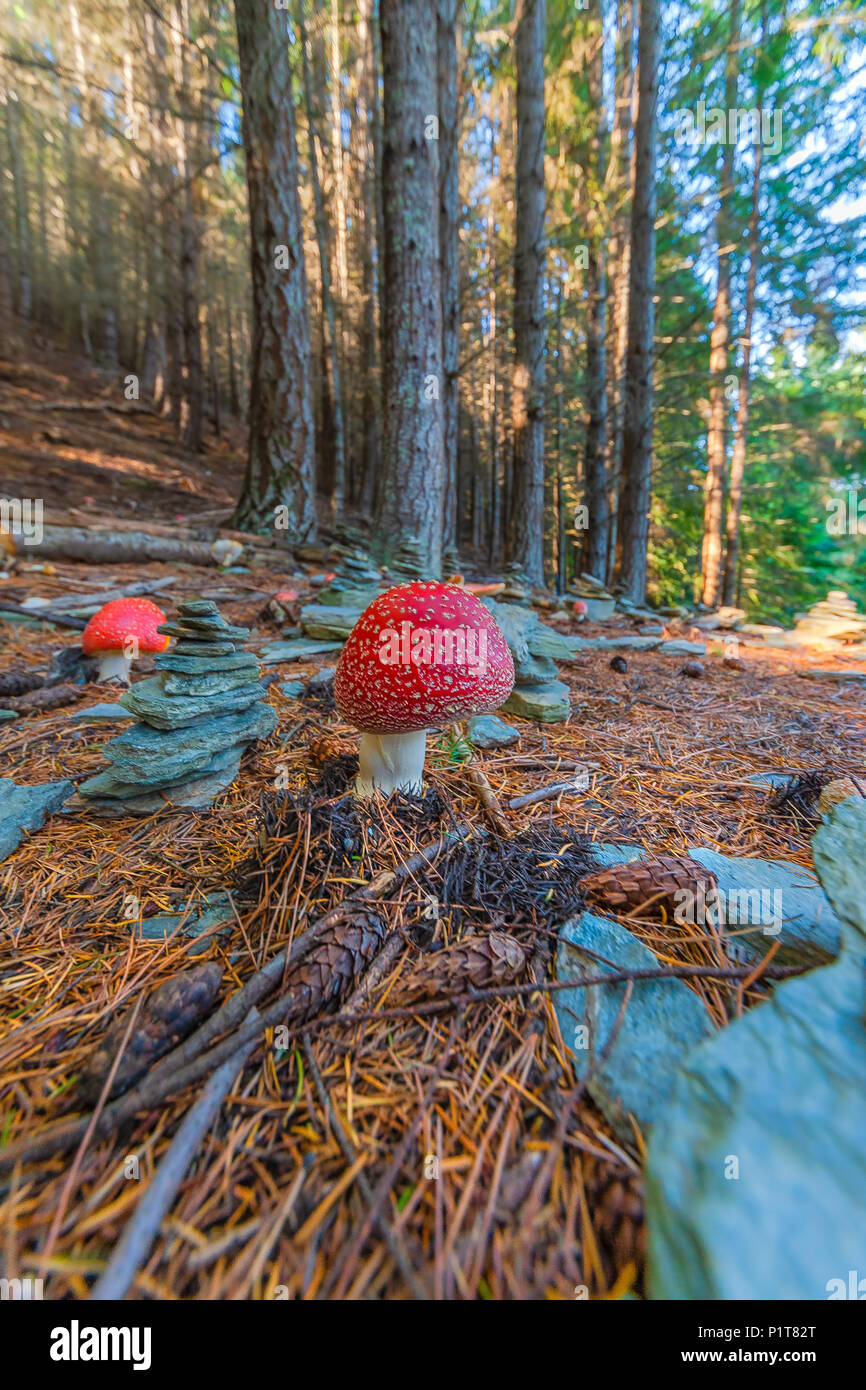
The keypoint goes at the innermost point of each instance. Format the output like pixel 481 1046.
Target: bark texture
pixel 411 479
pixel 527 405
pixel 280 464
pixel 637 437
pixel 717 433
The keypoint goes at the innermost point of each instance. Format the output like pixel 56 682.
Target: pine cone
pixel 647 887
pixel 19 682
pixel 325 749
pixel 46 697
pixel 325 975
pixel 476 962
pixel 615 1200
pixel 167 1016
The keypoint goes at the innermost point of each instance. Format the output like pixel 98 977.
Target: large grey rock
pixel 549 704
pixel 25 808
pixel 764 900
pixel 756 1176
pixel 663 1021
pixel 149 701
pixel 486 731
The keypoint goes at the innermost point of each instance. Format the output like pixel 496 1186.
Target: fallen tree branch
pixel 142 1230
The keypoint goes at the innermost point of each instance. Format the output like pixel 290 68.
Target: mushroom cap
pixel 121 619
pixel 422 654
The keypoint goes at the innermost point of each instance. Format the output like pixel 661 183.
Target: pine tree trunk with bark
pixel 637 439
pixel 280 463
pixel 336 433
pixel 411 479
pixel 595 460
pixel 448 252
pixel 527 406
pixel 619 181
pixel 738 460
pixel 717 433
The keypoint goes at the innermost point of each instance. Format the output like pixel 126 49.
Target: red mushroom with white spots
pixel 421 654
pixel 119 632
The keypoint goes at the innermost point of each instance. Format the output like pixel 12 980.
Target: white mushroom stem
pixel 387 762
pixel 113 665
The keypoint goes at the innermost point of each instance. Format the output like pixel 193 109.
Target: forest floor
pixel 315 1179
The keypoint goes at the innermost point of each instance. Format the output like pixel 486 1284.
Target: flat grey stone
pixel 837 676
pixel 682 648
pixel 664 1020
pixel 204 665
pixel 631 643
pixel 101 711
pixel 535 670
pixel 209 912
pixel 292 689
pixel 25 808
pixel 329 623
pixel 148 700
pixel 204 630
pixel 151 756
pixel 196 649
pixel 295 649
pixel 211 683
pixel 113 784
pixel 549 704
pixel 486 731
pixel 9 714
pixel 194 794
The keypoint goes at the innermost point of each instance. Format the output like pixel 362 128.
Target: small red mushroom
pixel 419 655
pixel 119 632
pixel 580 609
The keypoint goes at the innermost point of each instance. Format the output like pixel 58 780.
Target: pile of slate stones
pixel 196 718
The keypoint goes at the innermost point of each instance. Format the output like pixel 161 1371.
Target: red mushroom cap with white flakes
pixel 422 654
pixel 120 620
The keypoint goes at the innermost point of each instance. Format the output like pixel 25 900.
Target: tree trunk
pixel 637 439
pixel 620 181
pixel 370 254
pixel 336 436
pixel 410 495
pixel 449 197
pixel 717 433
pixel 527 503
pixel 738 461
pixel 595 469
pixel 280 463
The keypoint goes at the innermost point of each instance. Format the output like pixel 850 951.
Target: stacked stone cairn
pixel 517 589
pixel 406 566
pixel 356 581
pixel 196 718
pixel 600 603
pixel 538 692
pixel 833 621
